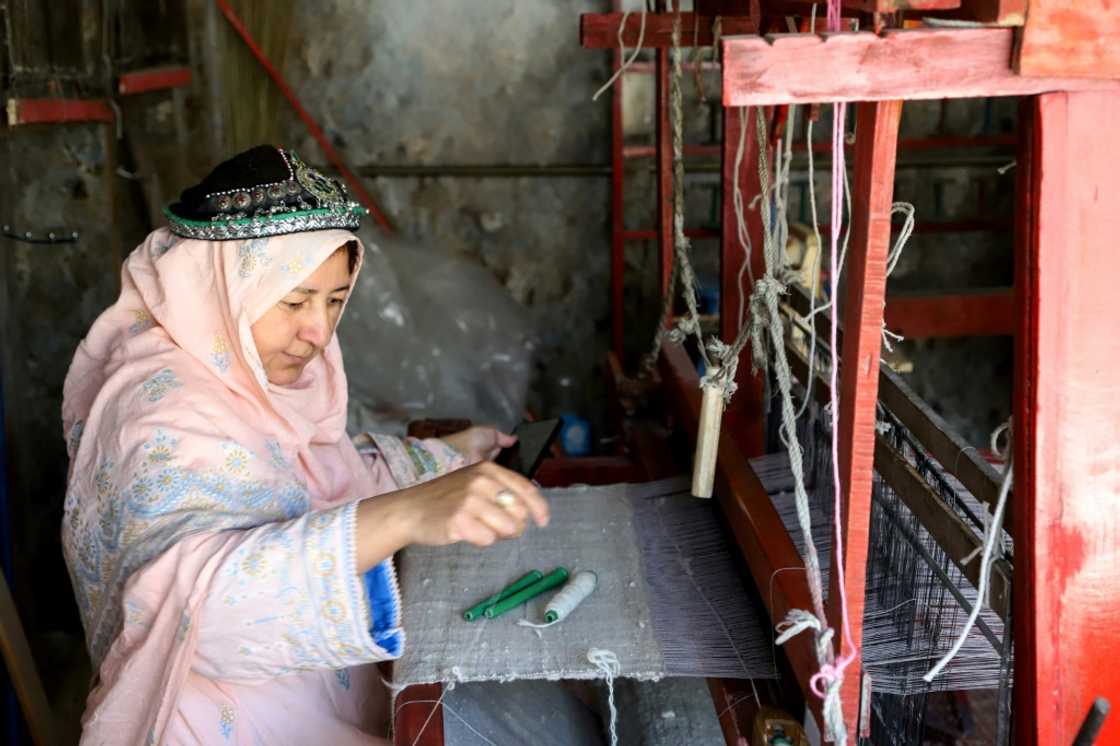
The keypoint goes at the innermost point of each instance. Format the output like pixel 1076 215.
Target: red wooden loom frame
pixel 1065 511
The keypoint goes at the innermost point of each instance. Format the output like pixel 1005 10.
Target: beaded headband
pixel 265 191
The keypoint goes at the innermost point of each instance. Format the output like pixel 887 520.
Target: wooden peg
pixel 707 440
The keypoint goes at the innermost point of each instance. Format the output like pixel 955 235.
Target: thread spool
pixel 566 600
pixel 570 596
pixel 707 439
pixel 547 583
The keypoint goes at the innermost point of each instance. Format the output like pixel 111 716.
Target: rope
pixel 682 266
pixel 626 63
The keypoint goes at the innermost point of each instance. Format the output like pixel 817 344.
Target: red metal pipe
pixel 649 235
pixel 312 126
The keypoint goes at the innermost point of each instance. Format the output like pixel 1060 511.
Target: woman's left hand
pixel 479 443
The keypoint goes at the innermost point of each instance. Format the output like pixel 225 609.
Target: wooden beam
pixel 771 557
pixel 866 272
pixel 618 211
pixel 664 133
pixel 1025 703
pixel 561 472
pixel 22 671
pixel 907 64
pixel 893 6
pixel 726 7
pixel 1071 39
pixel 1067 425
pixel 989 312
pixel 600 30
pixel 418 716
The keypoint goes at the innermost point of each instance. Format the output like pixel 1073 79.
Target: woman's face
pixel 295 330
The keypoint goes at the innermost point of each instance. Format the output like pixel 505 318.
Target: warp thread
pixel 607 662
pixel 766 322
pixel 566 599
pixel 994 530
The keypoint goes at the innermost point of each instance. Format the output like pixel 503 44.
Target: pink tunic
pixel 209 518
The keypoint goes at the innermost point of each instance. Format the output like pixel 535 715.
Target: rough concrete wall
pixel 501 82
pixel 60 178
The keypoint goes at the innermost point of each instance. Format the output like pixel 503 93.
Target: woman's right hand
pixel 464 505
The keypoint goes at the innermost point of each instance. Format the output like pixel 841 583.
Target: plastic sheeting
pixel 432 335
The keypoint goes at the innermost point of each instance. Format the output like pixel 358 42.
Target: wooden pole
pixel 866 275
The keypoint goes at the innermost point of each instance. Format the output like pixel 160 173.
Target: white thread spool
pixel 707 438
pixel 570 596
pixel 565 602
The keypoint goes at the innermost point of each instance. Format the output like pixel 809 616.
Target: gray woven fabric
pixel 592 528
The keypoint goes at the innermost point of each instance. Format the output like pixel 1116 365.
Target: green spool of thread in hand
pixel 524 581
pixel 557 577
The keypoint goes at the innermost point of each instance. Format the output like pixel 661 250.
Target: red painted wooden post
pixel 416 722
pixel 664 135
pixel 744 416
pixel 618 223
pixel 1067 425
pixel 865 273
pixel 1067 37
pixel 1022 522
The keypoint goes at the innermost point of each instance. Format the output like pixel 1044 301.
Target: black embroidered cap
pixel 265 191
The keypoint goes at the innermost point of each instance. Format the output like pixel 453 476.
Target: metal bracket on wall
pixel 51 237
pixel 58 110
pixel 153 79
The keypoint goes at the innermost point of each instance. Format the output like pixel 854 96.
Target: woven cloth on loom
pixel 648 544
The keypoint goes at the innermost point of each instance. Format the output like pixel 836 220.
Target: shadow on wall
pixel 431 335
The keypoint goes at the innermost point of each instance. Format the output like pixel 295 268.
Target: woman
pixel 230 547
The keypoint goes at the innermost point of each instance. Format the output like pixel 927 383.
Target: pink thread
pixel 829 673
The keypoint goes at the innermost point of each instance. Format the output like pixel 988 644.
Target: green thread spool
pixel 524 581
pixel 548 582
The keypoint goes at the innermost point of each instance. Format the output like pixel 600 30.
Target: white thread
pixel 893 256
pixel 607 662
pixel 626 62
pixel 566 600
pixel 440 703
pixel 994 530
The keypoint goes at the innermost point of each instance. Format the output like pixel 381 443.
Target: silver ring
pixel 505 498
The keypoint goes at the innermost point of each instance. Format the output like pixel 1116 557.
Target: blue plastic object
pixel 575 435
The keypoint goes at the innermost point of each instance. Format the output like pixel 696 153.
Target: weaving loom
pixel 914 498
pixel 917 597
pixel 670 601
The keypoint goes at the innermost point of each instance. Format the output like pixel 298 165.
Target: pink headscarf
pixel 172 426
